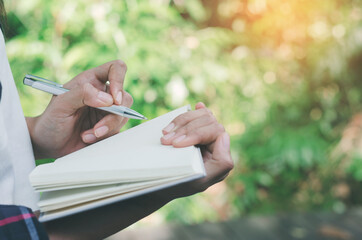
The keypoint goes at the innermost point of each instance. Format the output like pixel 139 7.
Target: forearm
pixel 105 221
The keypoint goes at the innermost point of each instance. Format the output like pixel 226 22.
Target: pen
pixel 57 89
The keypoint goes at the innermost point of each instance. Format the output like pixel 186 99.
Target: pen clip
pixel 30 79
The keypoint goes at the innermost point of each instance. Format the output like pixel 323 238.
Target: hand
pixel 70 122
pixel 200 127
pixel 191 128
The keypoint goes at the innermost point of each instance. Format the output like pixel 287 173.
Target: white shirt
pixel 16 153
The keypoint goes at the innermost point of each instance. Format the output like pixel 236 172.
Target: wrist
pixel 31 123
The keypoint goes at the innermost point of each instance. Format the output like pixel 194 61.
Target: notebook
pixel 126 165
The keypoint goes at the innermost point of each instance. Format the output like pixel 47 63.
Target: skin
pixel 69 124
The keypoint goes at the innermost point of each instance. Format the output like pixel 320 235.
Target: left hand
pixel 200 127
pixel 71 122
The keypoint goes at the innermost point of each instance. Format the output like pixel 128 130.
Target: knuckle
pixel 198 138
pixel 181 131
pixel 85 90
pixel 220 127
pixel 209 114
pixel 204 110
pixel 84 77
pixel 213 120
pixel 187 128
pixel 180 119
pixel 208 111
pixel 121 63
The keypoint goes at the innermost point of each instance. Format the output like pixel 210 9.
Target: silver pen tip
pixel 141 117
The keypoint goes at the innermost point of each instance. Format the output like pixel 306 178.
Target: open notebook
pixel 125 165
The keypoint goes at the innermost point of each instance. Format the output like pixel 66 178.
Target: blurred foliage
pixel 282 76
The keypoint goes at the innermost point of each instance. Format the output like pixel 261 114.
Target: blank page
pixel 134 154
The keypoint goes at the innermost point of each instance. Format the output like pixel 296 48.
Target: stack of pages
pixel 125 165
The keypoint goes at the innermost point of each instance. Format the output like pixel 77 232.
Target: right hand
pixel 71 122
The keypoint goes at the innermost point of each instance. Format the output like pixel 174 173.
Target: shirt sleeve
pixel 18 222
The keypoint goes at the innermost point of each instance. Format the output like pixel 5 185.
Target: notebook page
pixel 133 154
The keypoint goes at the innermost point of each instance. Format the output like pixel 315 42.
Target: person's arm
pixel 105 221
pixel 69 124
pixel 199 128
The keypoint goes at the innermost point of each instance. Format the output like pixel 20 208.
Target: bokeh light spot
pixel 150 95
pixel 319 30
pixel 257 6
pixel 192 42
pixel 240 52
pixel 238 25
pixel 177 91
pixel 269 77
pixel 338 31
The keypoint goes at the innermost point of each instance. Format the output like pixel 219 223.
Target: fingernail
pixel 101 131
pixel 89 138
pixel 226 141
pixel 179 139
pixel 119 98
pixel 105 97
pixel 169 127
pixel 169 135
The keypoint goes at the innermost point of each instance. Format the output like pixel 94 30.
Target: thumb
pixel 221 151
pixel 221 163
pixel 85 95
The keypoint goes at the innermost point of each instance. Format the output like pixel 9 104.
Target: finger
pixel 84 95
pixel 88 136
pixel 114 72
pixel 108 125
pixel 200 105
pixel 198 131
pixel 185 118
pixel 112 122
pixel 204 135
pixel 221 152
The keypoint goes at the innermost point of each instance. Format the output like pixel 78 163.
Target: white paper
pixel 134 154
pixel 131 163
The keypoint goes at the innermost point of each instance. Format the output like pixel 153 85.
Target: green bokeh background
pixel 283 77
